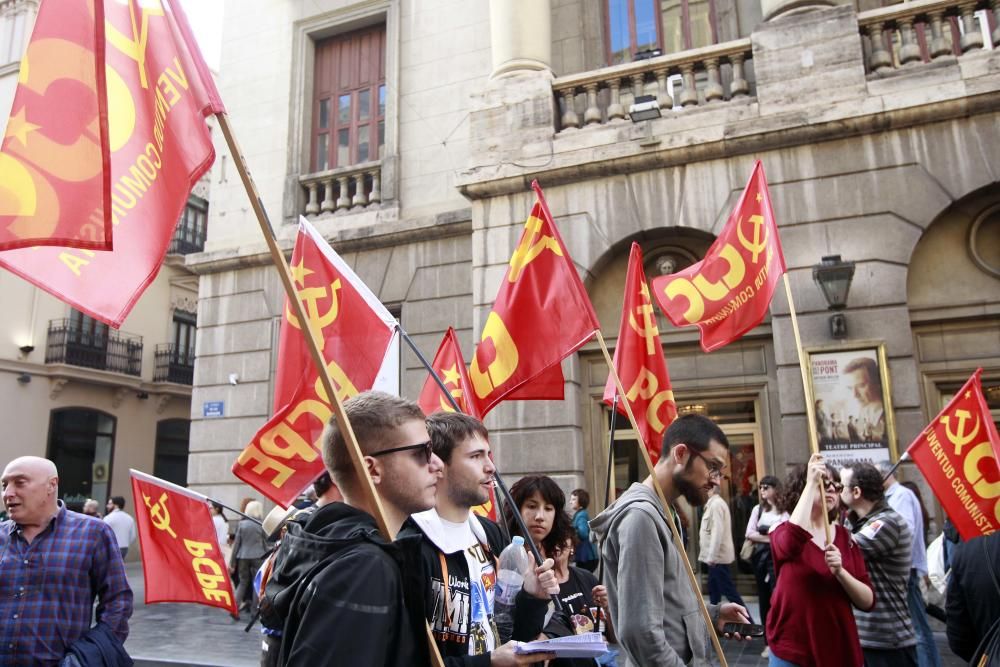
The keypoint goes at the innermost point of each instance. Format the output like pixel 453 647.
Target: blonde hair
pixel 254 510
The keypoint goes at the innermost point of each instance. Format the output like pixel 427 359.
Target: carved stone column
pixel 521 34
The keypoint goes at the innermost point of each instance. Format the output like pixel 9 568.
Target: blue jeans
pixel 927 653
pixel 775 661
pixel 720 583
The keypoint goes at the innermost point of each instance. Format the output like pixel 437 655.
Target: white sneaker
pixel 765 653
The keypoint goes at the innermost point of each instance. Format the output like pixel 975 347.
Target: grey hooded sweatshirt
pixel 653 609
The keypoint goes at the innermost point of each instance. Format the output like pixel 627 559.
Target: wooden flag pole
pixel 810 408
pixel 343 424
pixel 678 541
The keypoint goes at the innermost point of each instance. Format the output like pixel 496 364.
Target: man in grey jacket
pixel 658 618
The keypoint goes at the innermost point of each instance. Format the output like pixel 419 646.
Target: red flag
pixel 728 293
pixel 358 340
pixel 159 92
pixel 449 364
pixel 958 454
pixel 54 188
pixel 181 558
pixel 640 363
pixel 541 315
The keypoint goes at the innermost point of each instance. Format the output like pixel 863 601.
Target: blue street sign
pixel 213 409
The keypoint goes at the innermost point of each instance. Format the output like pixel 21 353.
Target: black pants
pixel 890 657
pixel 269 651
pixel 763 572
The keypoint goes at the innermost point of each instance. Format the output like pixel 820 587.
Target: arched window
pixel 81 444
pixel 171 460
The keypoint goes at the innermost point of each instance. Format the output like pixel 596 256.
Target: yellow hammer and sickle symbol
pixel 648 330
pixel 759 244
pixel 318 321
pixel 531 247
pixel 960 437
pixel 159 514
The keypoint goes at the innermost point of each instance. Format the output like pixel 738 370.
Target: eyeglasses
pixel 714 467
pixel 425 446
pixel 833 486
pixel 765 487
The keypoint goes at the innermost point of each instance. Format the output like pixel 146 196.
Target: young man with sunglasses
pixel 460 551
pixel 358 598
pixel 886 631
pixel 654 611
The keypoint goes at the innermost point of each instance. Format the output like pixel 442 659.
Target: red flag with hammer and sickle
pixel 357 338
pixel 541 315
pixel 73 165
pixel 449 364
pixel 181 558
pixel 640 362
pixel 728 293
pixel 958 454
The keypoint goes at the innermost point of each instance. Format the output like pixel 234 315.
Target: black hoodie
pixel 346 595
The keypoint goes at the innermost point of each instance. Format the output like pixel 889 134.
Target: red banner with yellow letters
pixel 159 92
pixel 181 558
pixel 541 315
pixel 958 454
pixel 54 185
pixel 357 338
pixel 640 362
pixel 728 293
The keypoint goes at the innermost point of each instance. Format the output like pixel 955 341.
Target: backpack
pixel 299 556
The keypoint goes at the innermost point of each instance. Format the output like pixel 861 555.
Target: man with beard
pixel 460 551
pixel 358 598
pixel 656 617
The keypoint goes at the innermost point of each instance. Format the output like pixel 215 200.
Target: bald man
pixel 53 564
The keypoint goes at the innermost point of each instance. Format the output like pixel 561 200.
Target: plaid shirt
pixel 47 588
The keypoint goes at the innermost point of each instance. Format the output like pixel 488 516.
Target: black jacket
pixel 350 596
pixel 973 594
pixel 529 611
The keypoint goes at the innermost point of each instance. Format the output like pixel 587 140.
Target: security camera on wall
pixel 234 379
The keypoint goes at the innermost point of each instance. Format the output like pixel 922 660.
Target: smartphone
pixel 745 629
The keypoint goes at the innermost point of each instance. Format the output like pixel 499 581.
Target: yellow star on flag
pixel 759 197
pixel 451 375
pixel 20 128
pixel 299 272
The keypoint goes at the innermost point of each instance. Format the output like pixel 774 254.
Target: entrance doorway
pixel 81 444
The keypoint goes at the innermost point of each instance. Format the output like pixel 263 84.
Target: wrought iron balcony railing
pixel 173 364
pixel 93 347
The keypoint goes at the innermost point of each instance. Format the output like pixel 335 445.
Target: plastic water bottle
pixel 514 563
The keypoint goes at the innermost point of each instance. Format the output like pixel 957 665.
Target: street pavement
pixel 190 635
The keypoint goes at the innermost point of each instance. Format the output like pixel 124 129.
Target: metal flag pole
pixel 337 408
pixel 678 540
pixel 515 511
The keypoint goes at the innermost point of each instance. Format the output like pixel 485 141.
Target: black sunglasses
pixel 833 486
pixel 765 486
pixel 425 446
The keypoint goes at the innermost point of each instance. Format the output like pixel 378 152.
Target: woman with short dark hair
pixel 543 507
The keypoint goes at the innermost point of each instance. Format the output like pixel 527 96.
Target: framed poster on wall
pixel 849 387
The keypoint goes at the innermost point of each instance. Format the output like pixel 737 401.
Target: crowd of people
pixel 838 556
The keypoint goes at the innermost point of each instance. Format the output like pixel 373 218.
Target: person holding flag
pixel 658 620
pixel 55 563
pixel 361 598
pixel 460 551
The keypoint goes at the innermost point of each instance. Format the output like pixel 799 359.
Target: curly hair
pixel 544 486
pixel 795 483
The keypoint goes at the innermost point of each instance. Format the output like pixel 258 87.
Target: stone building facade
pixel 874 124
